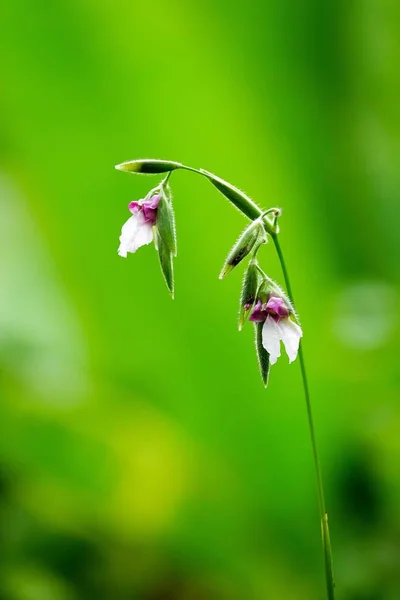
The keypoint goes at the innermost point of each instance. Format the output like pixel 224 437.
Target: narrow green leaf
pixel 166 220
pixel 253 234
pixel 238 198
pixel 249 293
pixel 148 165
pixel 262 354
pixel 167 267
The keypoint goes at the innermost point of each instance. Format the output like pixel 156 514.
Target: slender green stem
pixel 321 499
pixel 252 211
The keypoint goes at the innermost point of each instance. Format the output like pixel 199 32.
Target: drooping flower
pixel 138 229
pixel 278 326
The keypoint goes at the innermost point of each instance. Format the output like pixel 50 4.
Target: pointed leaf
pixel 262 354
pixel 148 165
pixel 166 220
pixel 167 267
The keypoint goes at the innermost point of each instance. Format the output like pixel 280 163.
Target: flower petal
pixel 150 208
pixel 277 307
pixel 152 202
pixel 144 235
pixel 135 233
pixel 258 315
pixel 290 334
pixel 135 206
pixel 271 339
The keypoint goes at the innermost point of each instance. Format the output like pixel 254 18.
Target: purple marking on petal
pixel 152 202
pixel 150 214
pixel 259 314
pixel 135 206
pixel 150 209
pixel 277 307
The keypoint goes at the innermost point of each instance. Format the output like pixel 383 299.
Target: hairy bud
pixel 166 219
pixel 249 294
pixel 253 235
pixel 166 263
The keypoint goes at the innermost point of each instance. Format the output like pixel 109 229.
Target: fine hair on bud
pixel 234 195
pixel 249 293
pixel 262 355
pixel 166 219
pixel 166 263
pixel 253 235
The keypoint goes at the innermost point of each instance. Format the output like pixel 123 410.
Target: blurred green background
pixel 141 458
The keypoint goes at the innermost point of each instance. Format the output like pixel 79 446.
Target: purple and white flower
pixel 278 326
pixel 138 230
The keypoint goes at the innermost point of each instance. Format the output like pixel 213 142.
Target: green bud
pixel 262 354
pixel 249 294
pixel 148 165
pixel 252 235
pixel 166 219
pixel 238 198
pixel 167 267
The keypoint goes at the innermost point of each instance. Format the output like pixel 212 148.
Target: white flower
pixel 135 232
pixel 138 230
pixel 278 326
pixel 274 331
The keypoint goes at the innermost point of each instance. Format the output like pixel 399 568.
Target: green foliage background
pixel 141 457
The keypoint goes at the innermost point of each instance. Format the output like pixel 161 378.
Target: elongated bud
pixel 166 263
pixel 252 235
pixel 237 197
pixel 262 354
pixel 249 294
pixel 166 219
pixel 148 165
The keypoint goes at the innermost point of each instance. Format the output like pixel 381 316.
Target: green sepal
pixel 238 198
pixel 249 293
pixel 262 354
pixel 166 220
pixel 148 165
pixel 167 267
pixel 252 235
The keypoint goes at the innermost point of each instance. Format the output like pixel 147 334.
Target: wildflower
pixel 138 229
pixel 275 314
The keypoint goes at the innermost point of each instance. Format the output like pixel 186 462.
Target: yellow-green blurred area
pixel 141 457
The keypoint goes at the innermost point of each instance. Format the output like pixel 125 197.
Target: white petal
pixel 134 233
pixel 144 235
pixel 290 335
pixel 271 339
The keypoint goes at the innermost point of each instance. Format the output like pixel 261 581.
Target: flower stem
pixel 330 585
pixel 253 211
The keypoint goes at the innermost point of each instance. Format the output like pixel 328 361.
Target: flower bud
pixel 166 219
pixel 238 198
pixel 167 267
pixel 262 354
pixel 252 235
pixel 148 165
pixel 249 294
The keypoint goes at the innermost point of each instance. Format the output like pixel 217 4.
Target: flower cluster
pixel 262 301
